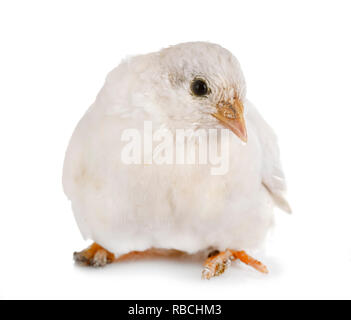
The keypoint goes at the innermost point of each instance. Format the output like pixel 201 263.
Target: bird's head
pixel 190 85
pixel 201 85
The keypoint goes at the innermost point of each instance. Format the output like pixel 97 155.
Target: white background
pixel 54 56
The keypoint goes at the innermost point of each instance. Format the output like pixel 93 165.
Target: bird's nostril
pixel 227 110
pixel 231 114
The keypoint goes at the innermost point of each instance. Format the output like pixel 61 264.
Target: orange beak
pixel 232 116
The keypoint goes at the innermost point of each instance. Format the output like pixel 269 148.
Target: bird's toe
pixel 94 256
pixel 100 259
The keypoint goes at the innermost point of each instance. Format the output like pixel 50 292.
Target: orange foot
pixel 95 256
pixel 216 264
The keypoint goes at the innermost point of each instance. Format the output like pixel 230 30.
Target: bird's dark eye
pixel 199 88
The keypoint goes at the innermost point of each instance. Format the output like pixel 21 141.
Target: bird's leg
pixel 151 253
pixel 95 256
pixel 216 264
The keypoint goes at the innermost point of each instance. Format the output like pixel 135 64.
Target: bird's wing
pixel 273 177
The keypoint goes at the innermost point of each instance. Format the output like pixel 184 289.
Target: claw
pixel 206 274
